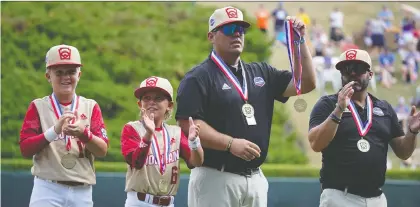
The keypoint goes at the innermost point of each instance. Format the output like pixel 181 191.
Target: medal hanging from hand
pixel 363 128
pixel 247 109
pixel 59 112
pixel 300 104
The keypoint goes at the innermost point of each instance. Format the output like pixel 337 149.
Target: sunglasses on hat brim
pixel 231 29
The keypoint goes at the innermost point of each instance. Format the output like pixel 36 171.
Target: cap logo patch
pixel 151 82
pixel 351 55
pixel 232 13
pixel 65 53
pixel 211 22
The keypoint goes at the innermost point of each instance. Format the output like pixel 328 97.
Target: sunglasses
pixel 356 68
pixel 230 29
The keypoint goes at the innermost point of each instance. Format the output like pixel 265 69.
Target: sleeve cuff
pixel 50 135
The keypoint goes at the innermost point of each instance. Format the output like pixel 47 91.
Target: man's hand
pixel 245 149
pixel 345 95
pixel 297 24
pixel 414 120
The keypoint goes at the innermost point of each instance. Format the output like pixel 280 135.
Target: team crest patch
pixel 258 81
pixel 211 22
pixel 103 131
pixel 378 111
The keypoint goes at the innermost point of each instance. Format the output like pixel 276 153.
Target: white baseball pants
pixel 338 198
pixel 209 187
pixel 49 194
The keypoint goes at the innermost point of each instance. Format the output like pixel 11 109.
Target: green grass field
pixel 353 22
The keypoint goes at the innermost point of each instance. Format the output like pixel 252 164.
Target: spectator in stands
pixel 408 26
pixel 304 17
pixel 377 29
pixel 385 70
pixel 367 35
pixel 262 18
pixel 279 15
pixel 386 16
pixel 410 63
pixel 336 26
pixel 416 99
pixel 348 44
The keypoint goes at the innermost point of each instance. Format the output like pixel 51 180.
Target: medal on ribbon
pixel 363 128
pixel 247 109
pixel 300 104
pixel 58 111
pixel 161 158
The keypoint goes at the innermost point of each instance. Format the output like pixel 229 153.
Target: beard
pixel 359 85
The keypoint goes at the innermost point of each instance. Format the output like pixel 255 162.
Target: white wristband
pixel 50 135
pixel 194 144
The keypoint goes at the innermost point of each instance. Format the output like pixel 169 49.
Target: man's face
pixel 357 72
pixel 228 38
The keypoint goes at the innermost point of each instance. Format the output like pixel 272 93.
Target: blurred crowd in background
pixel 388 37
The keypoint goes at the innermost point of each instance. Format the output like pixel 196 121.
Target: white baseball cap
pixel 225 16
pixel 154 82
pixel 63 55
pixel 353 55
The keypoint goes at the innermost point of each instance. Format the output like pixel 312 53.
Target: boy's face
pixel 157 102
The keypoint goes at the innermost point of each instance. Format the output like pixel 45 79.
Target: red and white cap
pixel 154 82
pixel 63 55
pixel 354 55
pixel 226 15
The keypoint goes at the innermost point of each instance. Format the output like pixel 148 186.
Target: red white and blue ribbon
pixel 363 128
pixel 243 91
pixel 161 158
pixel 58 112
pixel 290 42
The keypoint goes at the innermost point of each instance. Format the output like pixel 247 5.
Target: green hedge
pixel 270 170
pixel 121 43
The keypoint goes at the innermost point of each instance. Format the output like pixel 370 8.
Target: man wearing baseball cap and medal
pixel 63 132
pixel 352 129
pixel 233 102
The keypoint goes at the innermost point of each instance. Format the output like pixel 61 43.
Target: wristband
pixel 415 133
pixel 194 145
pixel 229 145
pixel 50 135
pixel 335 119
pixel 298 42
pixel 88 134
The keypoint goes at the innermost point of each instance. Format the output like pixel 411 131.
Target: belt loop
pixel 345 190
pixel 223 168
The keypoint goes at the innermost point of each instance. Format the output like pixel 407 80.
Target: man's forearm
pixel 308 73
pixel 321 135
pixel 209 137
pixel 406 146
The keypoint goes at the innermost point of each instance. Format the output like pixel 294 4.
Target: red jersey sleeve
pixel 185 148
pixel 32 139
pixel 133 148
pixel 97 125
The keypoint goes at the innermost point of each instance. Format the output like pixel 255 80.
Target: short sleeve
pixel 396 128
pixel 322 109
pixel 191 98
pixel 278 82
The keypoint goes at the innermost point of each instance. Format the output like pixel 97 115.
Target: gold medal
pixel 68 161
pixel 300 105
pixel 163 186
pixel 363 145
pixel 248 110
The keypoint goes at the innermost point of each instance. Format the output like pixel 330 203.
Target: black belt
pixel 244 171
pixel 366 192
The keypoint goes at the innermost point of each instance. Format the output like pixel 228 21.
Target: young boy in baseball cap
pixel 152 148
pixel 63 133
